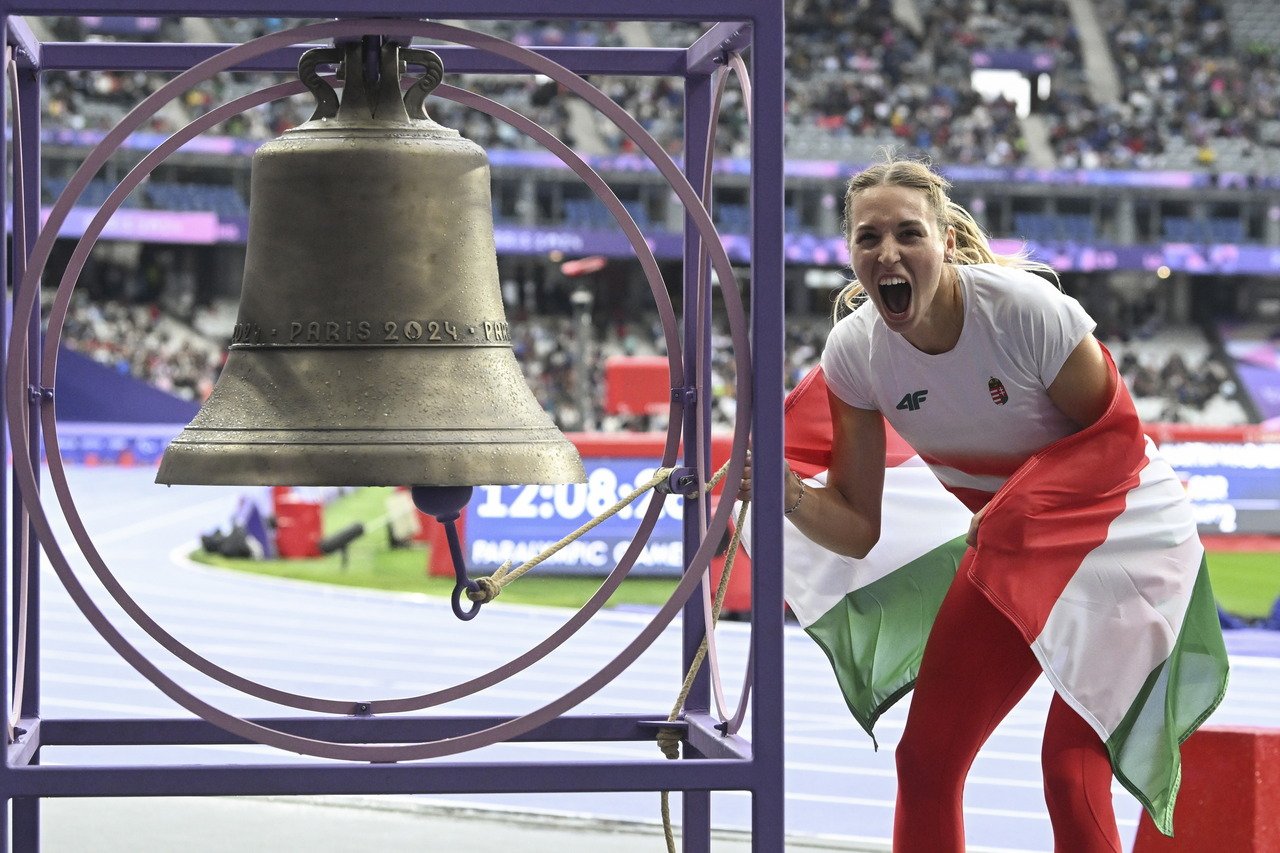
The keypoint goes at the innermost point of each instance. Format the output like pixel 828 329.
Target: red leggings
pixel 976 667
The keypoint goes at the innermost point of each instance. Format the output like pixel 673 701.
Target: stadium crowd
pixel 1172 383
pixel 97 101
pixel 857 72
pixel 867 72
pixel 1183 389
pixel 1187 84
pixel 143 341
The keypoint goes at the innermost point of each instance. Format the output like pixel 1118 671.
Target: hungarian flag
pixel 1089 548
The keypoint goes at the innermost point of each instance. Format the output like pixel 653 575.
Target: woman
pixel 995 379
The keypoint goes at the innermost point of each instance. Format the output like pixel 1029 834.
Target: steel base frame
pixel 712 761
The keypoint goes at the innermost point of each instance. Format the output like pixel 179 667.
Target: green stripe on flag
pixel 1176 698
pixel 874 636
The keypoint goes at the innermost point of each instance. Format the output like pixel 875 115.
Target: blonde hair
pixel 972 244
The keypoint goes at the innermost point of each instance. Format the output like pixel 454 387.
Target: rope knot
pixel 488 590
pixel 669 742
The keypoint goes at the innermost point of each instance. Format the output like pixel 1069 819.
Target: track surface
pixel 335 643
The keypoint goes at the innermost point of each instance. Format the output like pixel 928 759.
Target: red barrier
pixel 299 526
pixel 637 445
pixel 1248 434
pixel 1229 795
pixel 637 384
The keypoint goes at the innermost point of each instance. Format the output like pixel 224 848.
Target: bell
pixel 371 347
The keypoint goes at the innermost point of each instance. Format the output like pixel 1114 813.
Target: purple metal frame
pixel 716 757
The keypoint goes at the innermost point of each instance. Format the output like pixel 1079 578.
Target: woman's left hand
pixel 744 488
pixel 971 538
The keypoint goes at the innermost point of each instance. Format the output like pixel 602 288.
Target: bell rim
pixel 549 461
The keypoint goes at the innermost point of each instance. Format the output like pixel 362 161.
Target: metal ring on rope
pixel 25 474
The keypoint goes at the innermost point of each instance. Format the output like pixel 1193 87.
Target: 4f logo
pixel 913 401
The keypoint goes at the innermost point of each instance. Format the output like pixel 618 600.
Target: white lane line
pixel 287 647
pixel 888 773
pixel 864 745
pixel 1016 814
pixel 1253 662
pixel 298 620
pixel 295 667
pixel 111 708
pixel 154 522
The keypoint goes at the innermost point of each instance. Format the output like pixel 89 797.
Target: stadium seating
pixel 867 75
pixel 861 76
pixel 1048 227
pixel 222 199
pixel 95 193
pixel 1182 379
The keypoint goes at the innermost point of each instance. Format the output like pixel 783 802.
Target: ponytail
pixel 972 244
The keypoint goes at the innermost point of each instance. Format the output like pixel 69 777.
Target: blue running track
pixel 335 643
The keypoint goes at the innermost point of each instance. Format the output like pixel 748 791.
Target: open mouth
pixel 895 295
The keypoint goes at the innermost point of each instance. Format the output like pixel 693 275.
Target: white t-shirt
pixel 978 411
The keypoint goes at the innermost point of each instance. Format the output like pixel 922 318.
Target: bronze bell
pixel 371 346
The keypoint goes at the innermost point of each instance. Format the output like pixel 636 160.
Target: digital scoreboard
pixel 518 522
pixel 1234 487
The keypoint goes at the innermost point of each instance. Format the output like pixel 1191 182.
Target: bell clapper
pixel 445 504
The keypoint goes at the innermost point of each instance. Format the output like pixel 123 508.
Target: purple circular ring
pixel 25 474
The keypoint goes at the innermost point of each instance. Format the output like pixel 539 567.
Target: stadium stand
pixel 145 342
pixel 1192 86
pixel 1198 82
pixel 93 196
pixel 1198 91
pixel 1253 23
pixel 220 198
pixel 1176 376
